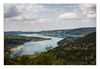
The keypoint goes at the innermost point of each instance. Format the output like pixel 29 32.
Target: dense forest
pixel 78 51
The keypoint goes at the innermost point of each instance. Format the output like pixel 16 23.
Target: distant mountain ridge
pixel 59 33
pixel 63 33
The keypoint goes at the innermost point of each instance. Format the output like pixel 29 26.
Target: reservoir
pixel 30 48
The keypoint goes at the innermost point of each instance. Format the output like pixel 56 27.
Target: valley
pixel 63 47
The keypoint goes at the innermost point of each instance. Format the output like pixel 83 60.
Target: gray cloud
pixel 11 12
pixel 37 17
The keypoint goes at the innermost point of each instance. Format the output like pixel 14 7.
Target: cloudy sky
pixel 39 17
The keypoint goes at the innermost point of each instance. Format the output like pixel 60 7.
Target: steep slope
pixel 80 51
pixel 88 38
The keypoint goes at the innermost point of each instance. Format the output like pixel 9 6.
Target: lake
pixel 30 48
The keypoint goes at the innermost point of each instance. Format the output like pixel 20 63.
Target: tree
pixel 48 48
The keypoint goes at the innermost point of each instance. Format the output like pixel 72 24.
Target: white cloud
pixel 89 10
pixel 86 8
pixel 69 15
pixel 43 20
pixel 91 16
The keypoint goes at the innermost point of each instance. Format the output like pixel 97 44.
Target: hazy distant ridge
pixel 59 33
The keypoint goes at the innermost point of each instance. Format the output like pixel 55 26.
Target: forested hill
pixel 86 39
pixel 80 51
